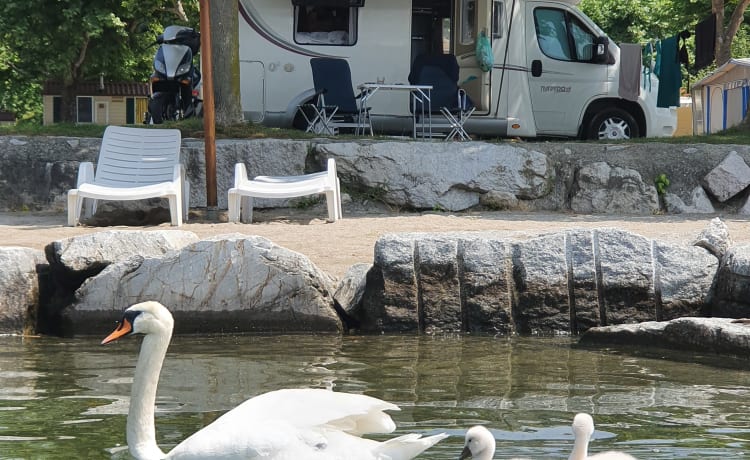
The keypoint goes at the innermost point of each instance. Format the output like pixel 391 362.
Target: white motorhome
pixel 555 73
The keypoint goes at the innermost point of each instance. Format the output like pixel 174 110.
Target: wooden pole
pixel 209 123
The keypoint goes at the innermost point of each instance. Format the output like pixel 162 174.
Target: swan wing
pixel 277 440
pixel 308 424
pixel 352 413
pixel 271 440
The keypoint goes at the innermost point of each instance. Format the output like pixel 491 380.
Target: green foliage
pixel 77 40
pixel 662 182
pixel 636 21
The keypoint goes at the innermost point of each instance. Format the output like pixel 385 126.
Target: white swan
pixel 306 424
pixel 583 429
pixel 479 444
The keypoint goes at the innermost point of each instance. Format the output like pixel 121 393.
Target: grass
pixel 193 127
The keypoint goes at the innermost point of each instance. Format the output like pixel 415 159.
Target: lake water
pixel 67 398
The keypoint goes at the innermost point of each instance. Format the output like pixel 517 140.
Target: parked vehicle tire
pixel 161 108
pixel 612 123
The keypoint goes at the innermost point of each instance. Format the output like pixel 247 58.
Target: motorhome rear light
pixel 185 81
pixel 515 126
pixel 195 92
pixel 155 79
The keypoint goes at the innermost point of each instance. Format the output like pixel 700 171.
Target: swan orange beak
pixel 124 328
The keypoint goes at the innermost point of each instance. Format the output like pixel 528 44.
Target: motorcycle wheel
pixel 161 108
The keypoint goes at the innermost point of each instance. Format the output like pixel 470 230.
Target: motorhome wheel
pixel 612 123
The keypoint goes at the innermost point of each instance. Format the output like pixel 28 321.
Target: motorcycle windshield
pixel 172 56
pixel 170 33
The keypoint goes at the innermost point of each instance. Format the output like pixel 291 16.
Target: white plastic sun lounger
pixel 133 164
pixel 241 195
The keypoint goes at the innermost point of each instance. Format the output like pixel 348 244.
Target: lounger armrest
pixel 331 170
pixel 178 173
pixel 240 174
pixel 85 173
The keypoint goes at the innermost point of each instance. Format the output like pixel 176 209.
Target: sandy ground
pixel 334 247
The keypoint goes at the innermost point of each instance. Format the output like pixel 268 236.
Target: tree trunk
pixel 226 61
pixel 68 103
pixel 725 35
pixel 68 107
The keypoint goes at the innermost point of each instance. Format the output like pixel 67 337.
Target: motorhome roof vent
pixel 333 3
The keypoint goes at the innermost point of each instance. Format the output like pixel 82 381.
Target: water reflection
pixel 68 398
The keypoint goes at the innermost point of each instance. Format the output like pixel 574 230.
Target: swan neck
pixel 580 448
pixel 141 431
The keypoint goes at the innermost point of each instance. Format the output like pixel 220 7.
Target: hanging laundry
pixel 648 64
pixel 705 42
pixel 657 61
pixel 670 74
pixel 682 54
pixel 630 71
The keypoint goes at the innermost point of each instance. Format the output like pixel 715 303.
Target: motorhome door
pixel 253 95
pixel 472 17
pixel 563 77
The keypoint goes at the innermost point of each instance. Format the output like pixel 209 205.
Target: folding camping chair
pixel 335 105
pixel 441 71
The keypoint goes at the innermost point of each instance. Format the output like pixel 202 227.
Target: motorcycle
pixel 175 85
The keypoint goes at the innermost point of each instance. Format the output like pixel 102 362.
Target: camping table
pixel 421 93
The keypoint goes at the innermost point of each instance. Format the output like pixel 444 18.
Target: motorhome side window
pixel 468 21
pixel 497 20
pixel 325 25
pixel 557 31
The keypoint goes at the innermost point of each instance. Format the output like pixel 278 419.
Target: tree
pixel 226 61
pixel 726 31
pixel 77 40
pixel 634 21
pixel 17 96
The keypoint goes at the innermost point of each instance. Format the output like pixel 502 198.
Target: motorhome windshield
pixel 589 22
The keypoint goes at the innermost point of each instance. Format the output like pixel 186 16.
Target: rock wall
pixel 36 172
pixel 568 281
pixel 564 282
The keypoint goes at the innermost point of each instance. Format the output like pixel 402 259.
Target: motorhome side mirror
pixel 601 44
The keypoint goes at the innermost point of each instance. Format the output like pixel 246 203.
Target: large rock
pixel 715 238
pixel 715 335
pixel 559 282
pixel 351 289
pixel 228 283
pixel 732 293
pixel 486 283
pixel 540 277
pixel 602 188
pixel 20 289
pixel 699 203
pixel 95 251
pixel 729 178
pixel 74 260
pixel 414 174
pixel 37 171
